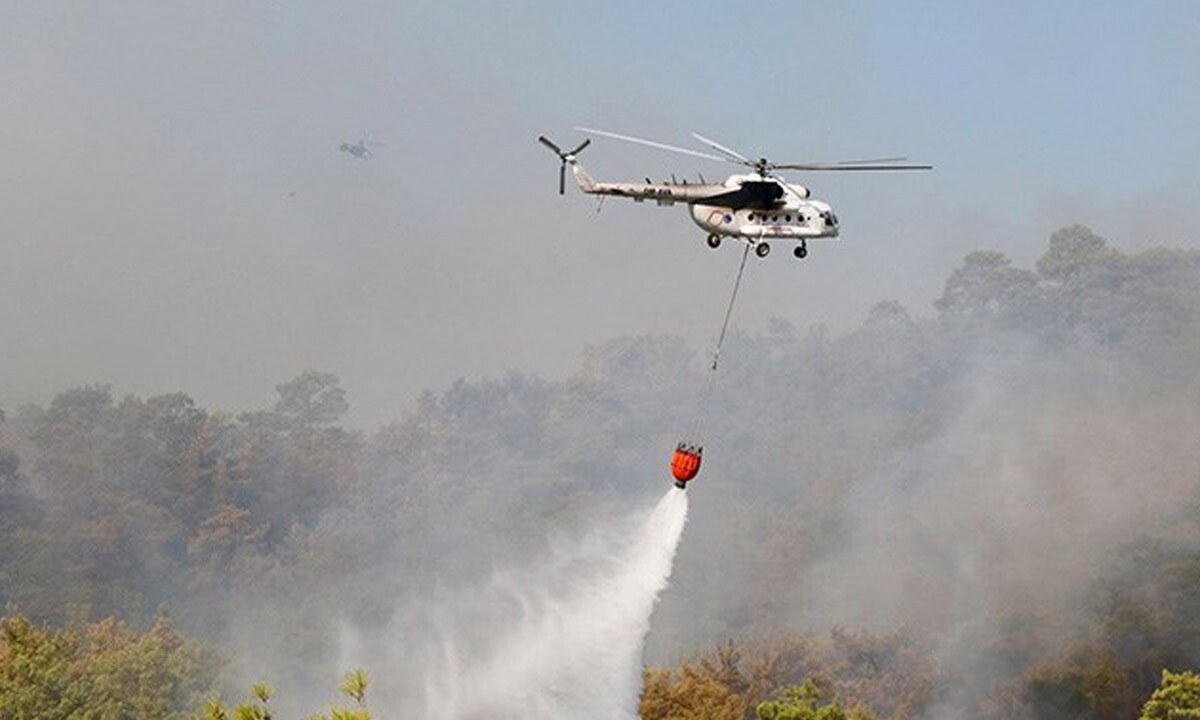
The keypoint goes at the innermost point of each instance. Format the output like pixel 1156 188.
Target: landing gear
pixel 801 251
pixel 714 241
pixel 762 249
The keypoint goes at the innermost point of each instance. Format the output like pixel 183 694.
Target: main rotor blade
pixel 869 162
pixel 542 139
pixel 718 146
pixel 653 144
pixel 836 166
pixel 582 145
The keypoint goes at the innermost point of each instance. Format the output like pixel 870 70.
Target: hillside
pixel 1009 486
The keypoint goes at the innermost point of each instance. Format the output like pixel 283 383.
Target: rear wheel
pixel 714 241
pixel 801 251
pixel 762 249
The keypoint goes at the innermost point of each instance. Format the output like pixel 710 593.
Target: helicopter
pixel 360 151
pixel 756 208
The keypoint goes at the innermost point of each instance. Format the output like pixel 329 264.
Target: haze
pixel 176 214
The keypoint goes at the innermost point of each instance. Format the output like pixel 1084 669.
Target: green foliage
pixel 1095 689
pixel 213 710
pixel 1073 250
pixel 253 709
pixel 799 702
pixel 1177 698
pixel 986 286
pixel 345 714
pixel 311 399
pixel 102 670
pixel 354 686
pixel 794 677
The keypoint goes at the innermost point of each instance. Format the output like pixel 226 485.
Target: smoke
pixel 560 638
pixel 988 538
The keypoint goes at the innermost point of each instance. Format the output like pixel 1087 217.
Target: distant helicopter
pixel 360 151
pixel 753 208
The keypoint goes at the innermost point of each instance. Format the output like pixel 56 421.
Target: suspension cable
pixel 729 310
pixel 695 428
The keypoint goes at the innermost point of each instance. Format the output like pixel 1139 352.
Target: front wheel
pixel 714 241
pixel 762 249
pixel 801 252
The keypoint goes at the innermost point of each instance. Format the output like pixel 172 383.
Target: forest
pixel 989 510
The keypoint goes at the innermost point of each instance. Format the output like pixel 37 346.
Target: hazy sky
pixel 175 213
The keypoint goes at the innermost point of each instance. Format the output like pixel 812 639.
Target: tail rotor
pixel 566 157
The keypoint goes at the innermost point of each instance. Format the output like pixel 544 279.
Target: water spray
pixel 560 638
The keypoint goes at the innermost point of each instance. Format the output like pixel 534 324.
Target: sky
pixel 175 214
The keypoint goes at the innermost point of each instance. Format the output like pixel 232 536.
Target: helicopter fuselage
pixel 806 219
pixel 744 206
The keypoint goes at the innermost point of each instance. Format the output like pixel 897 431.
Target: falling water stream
pixel 564 639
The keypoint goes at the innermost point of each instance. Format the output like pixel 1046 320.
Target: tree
pixel 1072 251
pixel 224 549
pixel 311 399
pixel 102 670
pixel 1087 688
pixel 1177 698
pixel 986 285
pixel 692 693
pixel 253 709
pixel 799 702
pixel 354 686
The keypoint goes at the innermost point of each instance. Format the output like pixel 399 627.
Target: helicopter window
pixel 787 218
pixel 750 217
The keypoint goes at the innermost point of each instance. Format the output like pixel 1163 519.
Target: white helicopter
pixel 753 208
